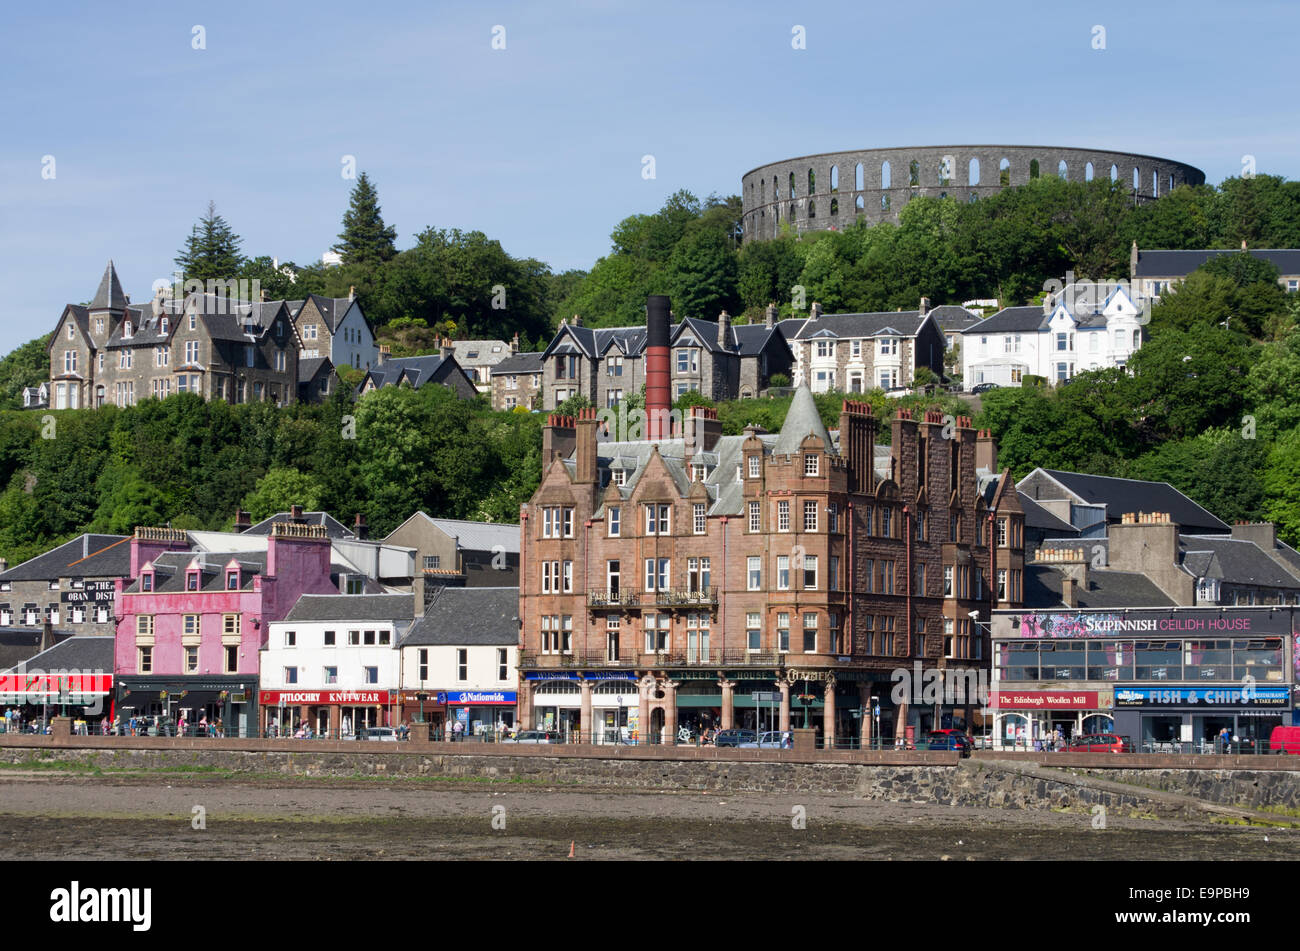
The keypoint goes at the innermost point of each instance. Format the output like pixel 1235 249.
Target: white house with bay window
pixel 334 664
pixel 1084 327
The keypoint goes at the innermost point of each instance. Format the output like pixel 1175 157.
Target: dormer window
pixel 755 464
pixel 192 579
pixel 99 325
pixel 126 329
pixel 146 579
pixel 810 464
pixel 699 473
pixel 232 579
pixel 162 326
pixel 618 476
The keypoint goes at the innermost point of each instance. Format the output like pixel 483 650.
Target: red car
pixel 1099 743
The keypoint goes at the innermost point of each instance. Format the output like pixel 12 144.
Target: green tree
pixel 212 250
pixel 281 488
pixel 701 276
pixel 29 365
pixel 365 239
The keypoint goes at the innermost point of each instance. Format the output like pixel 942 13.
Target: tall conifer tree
pixel 365 239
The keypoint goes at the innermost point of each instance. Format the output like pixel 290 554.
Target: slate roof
pixel 906 323
pixel 1038 517
pixel 952 318
pixel 170 567
pixel 109 296
pixel 479 536
pixel 1182 263
pixel 1106 588
pixel 480 353
pixel 594 342
pixel 308 368
pixel 83 653
pixel 18 645
pixel 416 370
pixel 333 527
pixel 333 309
pixel 1234 560
pixel 353 607
pixel 801 420
pixel 1029 319
pixel 1134 495
pixel 87 556
pixel 519 363
pixel 468 616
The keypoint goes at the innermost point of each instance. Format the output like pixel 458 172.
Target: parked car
pixel 735 737
pixel 983 387
pixel 949 740
pixel 383 733
pixel 534 736
pixel 1099 743
pixel 769 741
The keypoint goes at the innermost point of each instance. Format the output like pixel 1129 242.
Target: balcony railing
pixel 676 598
pixel 711 657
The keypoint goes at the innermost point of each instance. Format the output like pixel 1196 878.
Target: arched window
pixel 860 204
pixel 791 216
pixel 1033 168
pixel 792 191
pixel 835 178
pixel 884 203
pixel 835 207
pixel 776 189
pixel 812 182
pixel 1062 169
pixel 1155 183
pixel 884 175
pixel 945 170
pixel 1087 172
pixel 857 177
pixel 1114 173
pixel 762 191
pixel 973 172
pixel 1004 172
pixel 914 174
pixel 1137 179
pixel 812 208
pixel 1171 183
pixel 973 197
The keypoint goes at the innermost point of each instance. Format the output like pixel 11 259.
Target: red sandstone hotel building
pixel 665 581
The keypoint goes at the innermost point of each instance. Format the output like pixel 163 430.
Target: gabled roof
pixel 519 363
pixel 308 368
pixel 480 353
pixel 87 556
pixel 109 296
pixel 332 309
pixel 170 569
pixel 1121 496
pixel 1107 588
pixel 1181 263
pixel 473 536
pixel 84 653
pixel 333 527
pixel 414 370
pixel 1029 319
pixel 906 323
pixel 1235 560
pixel 1038 517
pixel 353 607
pixel 466 616
pixel 801 420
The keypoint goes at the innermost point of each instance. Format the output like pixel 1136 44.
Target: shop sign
pixel 1250 696
pixel 277 698
pixel 1044 700
pixel 1133 623
pixel 55 685
pixel 798 673
pixel 97 592
pixel 479 697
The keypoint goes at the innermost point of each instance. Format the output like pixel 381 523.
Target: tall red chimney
pixel 658 404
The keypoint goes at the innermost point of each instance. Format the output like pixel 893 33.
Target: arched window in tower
pixel 1062 170
pixel 835 207
pixel 860 204
pixel 776 188
pixel 914 174
pixel 884 203
pixel 1087 172
pixel 812 182
pixel 762 191
pixel 1004 172
pixel 973 172
pixel 812 208
pixel 791 216
pixel 793 194
pixel 858 178
pixel 1033 168
pixel 945 170
pixel 835 179
pixel 1137 179
pixel 885 177
pixel 1155 184
pixel 1171 183
pixel 1114 173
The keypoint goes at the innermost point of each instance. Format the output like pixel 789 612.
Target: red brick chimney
pixel 858 445
pixel 587 471
pixel 986 451
pixel 559 436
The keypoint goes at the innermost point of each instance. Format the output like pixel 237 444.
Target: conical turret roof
pixel 109 296
pixel 802 420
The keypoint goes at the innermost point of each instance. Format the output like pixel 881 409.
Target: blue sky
pixel 539 145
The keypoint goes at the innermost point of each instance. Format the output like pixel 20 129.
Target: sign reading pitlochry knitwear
pixel 276 698
pixel 1202 696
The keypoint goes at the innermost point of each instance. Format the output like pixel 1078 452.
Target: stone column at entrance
pixel 728 702
pixel 524 713
pixel 644 686
pixel 585 726
pixel 864 699
pixel 828 712
pixel 784 687
pixel 670 710
pixel 335 724
pixel 900 723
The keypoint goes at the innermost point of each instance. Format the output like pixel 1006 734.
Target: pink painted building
pixel 190 624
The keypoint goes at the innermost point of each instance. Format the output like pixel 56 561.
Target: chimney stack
pixel 986 451
pixel 1048 305
pixel 658 403
pixel 242 520
pixel 925 306
pixel 816 311
pixel 445 348
pixel 703 429
pixel 559 436
pixel 352 292
pixel 724 330
pixel 577 320
pixel 385 351
pixel 359 526
pixel 769 319
pixel 514 343
pixel 295 513
pixel 587 470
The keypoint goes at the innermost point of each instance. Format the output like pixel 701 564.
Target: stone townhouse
pixel 1152 272
pixel 664 583
pixel 335 328
pixel 853 353
pixel 119 353
pixel 454 552
pixel 517 381
pixel 70 587
pixel 440 368
pixel 721 360
pixel 478 358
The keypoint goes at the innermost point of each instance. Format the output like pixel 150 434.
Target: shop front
pixel 478 712
pixel 340 714
pixel 35 698
pixel 229 701
pixel 1193 719
pixel 1028 719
